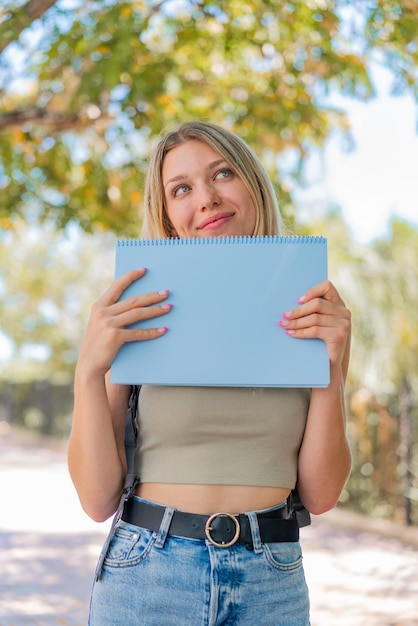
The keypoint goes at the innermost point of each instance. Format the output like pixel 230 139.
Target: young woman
pixel 191 550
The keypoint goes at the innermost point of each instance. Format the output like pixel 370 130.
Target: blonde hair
pixel 236 152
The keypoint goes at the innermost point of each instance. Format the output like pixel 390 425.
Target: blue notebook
pixel 227 295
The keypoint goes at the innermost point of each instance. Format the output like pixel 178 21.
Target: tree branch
pixel 21 18
pixel 41 117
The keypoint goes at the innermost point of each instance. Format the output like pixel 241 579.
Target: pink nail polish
pixel 290 332
pixel 165 292
pixel 301 299
pixel 162 330
pixel 166 306
pixel 283 323
pixel 287 314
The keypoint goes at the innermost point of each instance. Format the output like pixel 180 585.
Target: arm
pixel 324 458
pixel 96 453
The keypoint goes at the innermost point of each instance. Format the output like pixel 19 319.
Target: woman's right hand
pixel 107 328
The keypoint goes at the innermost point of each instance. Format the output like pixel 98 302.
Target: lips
pixel 219 217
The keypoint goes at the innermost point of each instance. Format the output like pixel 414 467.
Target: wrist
pixel 84 377
pixel 336 374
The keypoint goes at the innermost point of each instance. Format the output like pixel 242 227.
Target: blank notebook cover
pixel 228 295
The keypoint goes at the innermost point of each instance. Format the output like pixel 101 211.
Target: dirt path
pixel 48 550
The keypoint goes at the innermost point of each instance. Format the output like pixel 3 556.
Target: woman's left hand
pixel 322 314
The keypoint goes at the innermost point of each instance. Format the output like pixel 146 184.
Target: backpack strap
pixel 131 436
pixel 131 480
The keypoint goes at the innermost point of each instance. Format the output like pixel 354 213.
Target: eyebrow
pixel 210 166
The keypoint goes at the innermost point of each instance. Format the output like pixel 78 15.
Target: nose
pixel 207 197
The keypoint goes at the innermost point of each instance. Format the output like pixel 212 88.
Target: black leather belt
pixel 221 529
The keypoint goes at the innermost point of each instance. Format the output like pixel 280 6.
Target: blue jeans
pixel 156 579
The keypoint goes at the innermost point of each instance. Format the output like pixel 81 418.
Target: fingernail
pixel 165 292
pixel 166 306
pixel 142 269
pixel 162 330
pixel 283 323
pixel 287 314
pixel 301 299
pixel 290 332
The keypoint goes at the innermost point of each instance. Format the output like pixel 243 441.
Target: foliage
pixel 386 377
pixel 379 283
pixel 98 81
pixel 39 406
pixel 48 284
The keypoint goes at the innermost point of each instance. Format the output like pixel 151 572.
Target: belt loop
pixel 255 532
pixel 164 527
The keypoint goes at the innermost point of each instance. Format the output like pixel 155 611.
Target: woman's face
pixel 204 197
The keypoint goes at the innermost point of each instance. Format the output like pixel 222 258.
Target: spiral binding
pixel 259 239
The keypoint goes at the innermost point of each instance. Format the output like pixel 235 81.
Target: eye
pixel 225 172
pixel 180 190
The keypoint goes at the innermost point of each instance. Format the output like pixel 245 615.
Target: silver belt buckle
pixel 208 529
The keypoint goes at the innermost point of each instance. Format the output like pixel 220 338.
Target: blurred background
pixel 325 91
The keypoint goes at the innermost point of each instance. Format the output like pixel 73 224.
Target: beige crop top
pixel 220 435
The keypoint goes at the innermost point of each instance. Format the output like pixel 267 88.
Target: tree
pixel 103 79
